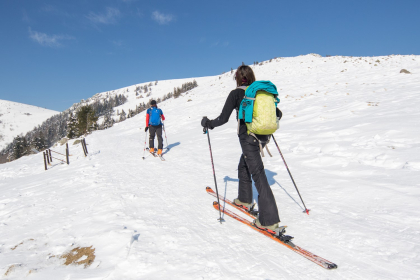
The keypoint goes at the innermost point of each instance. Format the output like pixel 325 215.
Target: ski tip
pixel 332 266
pixel 306 211
pixel 215 203
pixel 208 188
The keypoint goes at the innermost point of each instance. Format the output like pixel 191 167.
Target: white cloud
pixel 118 43
pixel 219 44
pixel 139 13
pixel 49 8
pixel 25 17
pixel 215 44
pixel 162 18
pixel 109 17
pixel 55 11
pixel 48 40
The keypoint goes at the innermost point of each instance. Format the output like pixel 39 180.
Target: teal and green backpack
pixel 258 108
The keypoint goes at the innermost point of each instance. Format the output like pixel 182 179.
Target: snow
pixel 350 139
pixel 17 118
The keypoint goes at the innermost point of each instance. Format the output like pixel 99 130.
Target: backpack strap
pixel 266 147
pixel 259 143
pixel 239 121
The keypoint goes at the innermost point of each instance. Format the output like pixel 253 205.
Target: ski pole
pixel 144 150
pixel 206 131
pixel 306 209
pixel 163 125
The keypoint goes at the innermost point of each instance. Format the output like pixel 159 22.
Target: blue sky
pixel 55 53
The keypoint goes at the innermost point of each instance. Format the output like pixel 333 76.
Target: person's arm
pixel 162 116
pixel 230 105
pixel 147 118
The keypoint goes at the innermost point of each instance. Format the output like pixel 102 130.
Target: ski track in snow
pixel 350 139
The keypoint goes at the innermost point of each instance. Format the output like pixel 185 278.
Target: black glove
pixel 206 123
pixel 146 128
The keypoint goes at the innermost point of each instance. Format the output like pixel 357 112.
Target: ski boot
pixel 270 229
pixel 275 230
pixel 249 207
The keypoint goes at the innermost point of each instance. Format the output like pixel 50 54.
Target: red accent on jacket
pixel 147 120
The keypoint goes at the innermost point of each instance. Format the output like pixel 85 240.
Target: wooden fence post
pixel 67 153
pixel 45 161
pixel 48 158
pixel 49 152
pixel 85 151
pixel 83 147
pixel 84 141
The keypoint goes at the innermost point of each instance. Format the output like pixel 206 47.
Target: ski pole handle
pixel 205 128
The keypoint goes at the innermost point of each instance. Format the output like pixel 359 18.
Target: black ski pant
pixel 155 130
pixel 251 164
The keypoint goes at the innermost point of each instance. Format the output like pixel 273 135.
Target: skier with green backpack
pixel 258 116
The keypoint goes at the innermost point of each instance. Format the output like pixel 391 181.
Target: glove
pixel 146 128
pixel 206 123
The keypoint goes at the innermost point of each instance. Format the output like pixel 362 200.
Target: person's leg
pixel 159 137
pixel 267 207
pixel 152 132
pixel 245 182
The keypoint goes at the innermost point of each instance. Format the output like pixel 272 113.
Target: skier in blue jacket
pixel 154 118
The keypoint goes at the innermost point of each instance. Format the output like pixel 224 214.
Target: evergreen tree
pixel 86 120
pixel 108 120
pixel 122 115
pixel 39 142
pixel 18 147
pixel 72 131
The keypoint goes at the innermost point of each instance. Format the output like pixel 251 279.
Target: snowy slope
pixel 17 118
pixel 349 134
pixel 156 89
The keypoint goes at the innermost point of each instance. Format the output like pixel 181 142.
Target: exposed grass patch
pixel 11 269
pixel 20 244
pixel 80 256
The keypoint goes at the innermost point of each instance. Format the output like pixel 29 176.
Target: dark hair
pixel 244 75
pixel 153 102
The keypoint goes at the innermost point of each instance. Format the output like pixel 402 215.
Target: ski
pixel 155 155
pixel 152 153
pixel 308 255
pixel 253 214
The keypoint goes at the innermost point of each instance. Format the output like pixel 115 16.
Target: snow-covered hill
pixel 17 118
pixel 349 134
